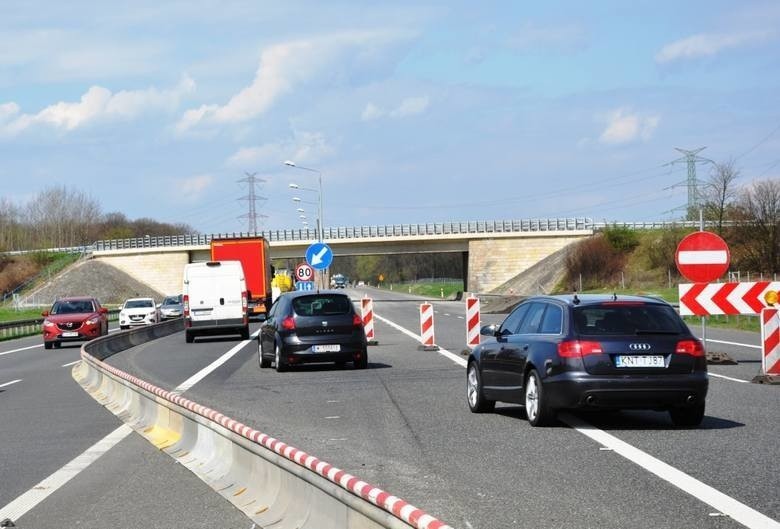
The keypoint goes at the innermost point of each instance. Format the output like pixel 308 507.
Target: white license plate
pixel 331 348
pixel 639 361
pixel 69 334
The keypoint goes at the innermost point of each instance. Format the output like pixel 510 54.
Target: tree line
pixel 60 217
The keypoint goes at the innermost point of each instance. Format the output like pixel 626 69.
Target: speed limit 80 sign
pixel 304 272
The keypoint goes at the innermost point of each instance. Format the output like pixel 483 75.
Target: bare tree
pixel 9 225
pixel 758 234
pixel 62 217
pixel 720 193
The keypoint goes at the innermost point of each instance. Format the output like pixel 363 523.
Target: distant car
pixel 311 327
pixel 138 311
pixel 590 352
pixel 171 307
pixel 74 319
pixel 339 281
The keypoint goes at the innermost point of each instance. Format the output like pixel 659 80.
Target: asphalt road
pixel 403 425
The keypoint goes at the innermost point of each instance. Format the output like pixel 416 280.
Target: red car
pixel 76 319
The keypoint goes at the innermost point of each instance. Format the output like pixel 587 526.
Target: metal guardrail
pixel 357 232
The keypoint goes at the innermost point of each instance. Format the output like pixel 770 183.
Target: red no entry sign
pixel 702 257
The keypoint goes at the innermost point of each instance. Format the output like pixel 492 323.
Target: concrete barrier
pixel 274 484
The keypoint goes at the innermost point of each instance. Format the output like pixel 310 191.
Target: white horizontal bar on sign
pixel 703 257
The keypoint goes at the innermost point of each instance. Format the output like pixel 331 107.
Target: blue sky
pixel 414 112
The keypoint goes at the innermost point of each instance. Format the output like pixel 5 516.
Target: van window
pixel 322 305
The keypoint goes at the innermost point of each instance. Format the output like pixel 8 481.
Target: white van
pixel 215 299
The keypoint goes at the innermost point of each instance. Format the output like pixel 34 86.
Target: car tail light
pixel 689 347
pixel 357 321
pixel 244 306
pixel 288 324
pixel 578 348
pixel 186 306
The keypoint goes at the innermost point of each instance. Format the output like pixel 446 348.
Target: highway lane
pixel 403 425
pixel 47 420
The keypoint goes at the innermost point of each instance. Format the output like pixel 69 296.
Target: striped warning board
pixel 770 341
pixel 472 322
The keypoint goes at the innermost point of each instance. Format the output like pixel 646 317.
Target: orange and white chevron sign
pixel 770 341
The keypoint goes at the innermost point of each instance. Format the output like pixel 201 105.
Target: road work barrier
pixel 770 341
pixel 472 322
pixel 274 484
pixel 427 337
pixel 367 313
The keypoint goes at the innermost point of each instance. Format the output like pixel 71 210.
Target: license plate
pixel 69 334
pixel 639 361
pixel 331 348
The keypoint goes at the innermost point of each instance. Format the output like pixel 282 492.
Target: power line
pixel 760 143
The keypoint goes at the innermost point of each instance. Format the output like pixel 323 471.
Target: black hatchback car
pixel 592 352
pixel 311 327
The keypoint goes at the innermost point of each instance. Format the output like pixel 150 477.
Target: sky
pixel 406 111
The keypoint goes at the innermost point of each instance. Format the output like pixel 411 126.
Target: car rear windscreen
pixel 322 305
pixel 627 318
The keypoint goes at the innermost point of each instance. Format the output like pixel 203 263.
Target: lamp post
pixel 320 222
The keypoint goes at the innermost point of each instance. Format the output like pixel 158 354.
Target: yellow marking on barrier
pixel 162 437
pixel 240 491
pixel 261 511
pixel 224 488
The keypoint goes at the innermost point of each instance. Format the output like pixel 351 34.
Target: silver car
pixel 171 307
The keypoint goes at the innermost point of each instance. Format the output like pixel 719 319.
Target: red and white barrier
pixel 426 326
pixel 367 313
pixel 704 299
pixel 770 341
pixel 472 322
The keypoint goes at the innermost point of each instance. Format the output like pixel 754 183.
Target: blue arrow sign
pixel 304 285
pixel 319 256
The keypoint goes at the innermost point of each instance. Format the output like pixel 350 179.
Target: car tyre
pixel 188 337
pixel 280 365
pixel 536 407
pixel 48 345
pixel 262 362
pixel 57 345
pixel 476 399
pixel 687 417
pixel 363 362
pixel 245 332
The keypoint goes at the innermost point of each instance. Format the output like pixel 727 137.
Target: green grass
pixel 431 290
pixel 8 314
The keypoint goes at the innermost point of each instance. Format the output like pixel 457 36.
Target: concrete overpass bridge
pixel 493 251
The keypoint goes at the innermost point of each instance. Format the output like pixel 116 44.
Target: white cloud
pixel 282 68
pixel 708 44
pixel 97 104
pixel 304 147
pixel 192 188
pixel 411 106
pixel 624 127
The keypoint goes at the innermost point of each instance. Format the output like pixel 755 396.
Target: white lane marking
pixel 20 349
pixel 333 417
pixel 461 318
pixel 8 384
pixel 452 356
pixel 735 343
pixel 24 503
pixel 726 504
pixel 728 378
pixel 699 490
pixel 200 375
pixel 71 364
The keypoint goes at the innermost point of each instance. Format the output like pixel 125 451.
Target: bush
pixel 596 261
pixel 621 238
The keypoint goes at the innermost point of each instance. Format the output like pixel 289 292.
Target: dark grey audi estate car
pixel 594 352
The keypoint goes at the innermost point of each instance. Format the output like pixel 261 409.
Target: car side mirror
pixel 159 305
pixel 103 310
pixel 489 330
pixel 45 313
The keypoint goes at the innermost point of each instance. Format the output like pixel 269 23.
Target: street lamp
pixel 320 222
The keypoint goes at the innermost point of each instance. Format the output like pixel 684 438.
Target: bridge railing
pixel 361 232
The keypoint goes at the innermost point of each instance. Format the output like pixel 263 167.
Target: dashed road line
pixel 10 383
pixel 71 364
pixel 20 349
pixel 729 378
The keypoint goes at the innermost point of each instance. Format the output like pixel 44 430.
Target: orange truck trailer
pixel 256 262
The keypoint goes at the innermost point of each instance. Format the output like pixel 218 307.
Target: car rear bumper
pixel 298 352
pixel 651 392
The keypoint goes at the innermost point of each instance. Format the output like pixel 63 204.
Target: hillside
pixel 91 278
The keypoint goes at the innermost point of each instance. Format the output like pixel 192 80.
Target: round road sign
pixel 702 257
pixel 304 272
